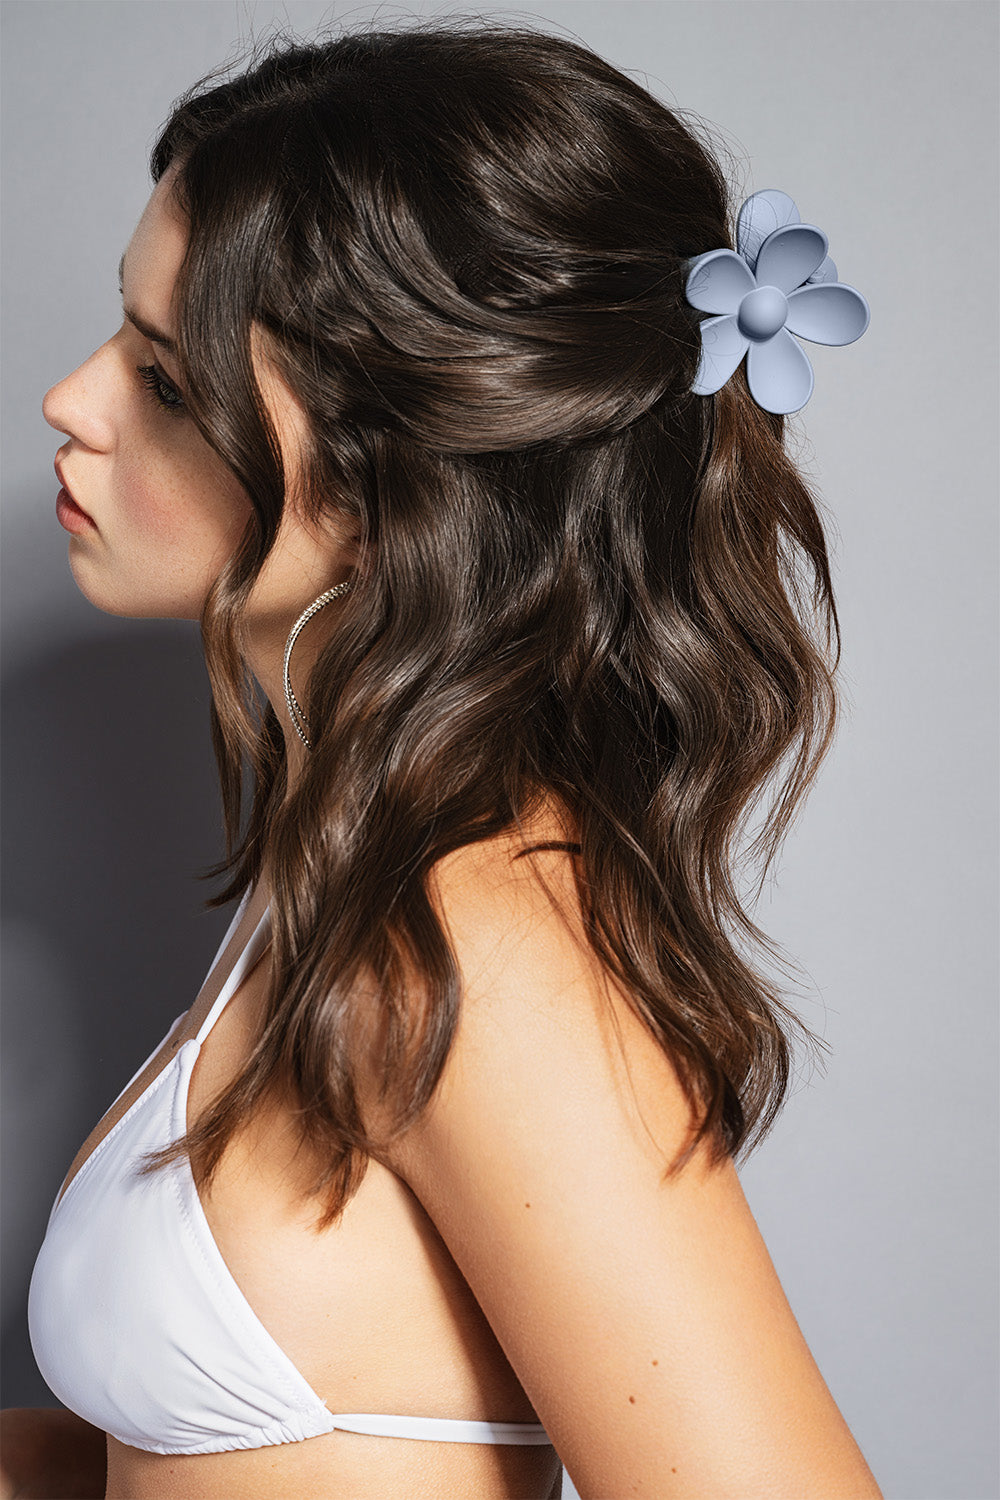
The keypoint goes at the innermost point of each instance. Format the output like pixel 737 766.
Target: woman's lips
pixel 70 515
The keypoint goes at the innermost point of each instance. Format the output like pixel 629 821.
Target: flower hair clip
pixel 778 282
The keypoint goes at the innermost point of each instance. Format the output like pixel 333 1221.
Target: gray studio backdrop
pixel 877 1191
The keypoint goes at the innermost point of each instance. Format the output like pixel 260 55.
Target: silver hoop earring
pixel 295 713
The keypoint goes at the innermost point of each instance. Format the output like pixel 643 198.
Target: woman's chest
pixel 372 1311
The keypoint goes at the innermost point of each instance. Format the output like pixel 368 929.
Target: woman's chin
pixel 113 598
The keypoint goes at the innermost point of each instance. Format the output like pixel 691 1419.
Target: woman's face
pixel 157 512
pixel 161 510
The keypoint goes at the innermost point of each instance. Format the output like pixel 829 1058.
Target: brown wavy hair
pixel 464 244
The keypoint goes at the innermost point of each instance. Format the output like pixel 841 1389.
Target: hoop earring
pixel 295 712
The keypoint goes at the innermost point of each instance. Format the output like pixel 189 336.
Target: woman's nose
pixel 80 405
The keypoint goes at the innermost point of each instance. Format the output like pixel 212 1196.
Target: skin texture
pixel 643 1320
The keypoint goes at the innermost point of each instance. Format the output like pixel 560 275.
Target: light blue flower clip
pixel 778 282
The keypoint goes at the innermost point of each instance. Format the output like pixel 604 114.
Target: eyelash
pixel 160 389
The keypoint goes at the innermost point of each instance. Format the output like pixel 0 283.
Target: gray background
pixel 877 1191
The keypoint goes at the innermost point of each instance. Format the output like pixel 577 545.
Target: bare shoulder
pixel 533 983
pixel 642 1314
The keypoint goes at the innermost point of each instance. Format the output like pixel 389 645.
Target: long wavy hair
pixel 465 247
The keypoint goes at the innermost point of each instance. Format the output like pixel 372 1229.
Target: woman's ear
pixel 347 534
pixel 336 528
pixel 288 418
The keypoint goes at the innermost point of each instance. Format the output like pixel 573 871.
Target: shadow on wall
pixel 111 810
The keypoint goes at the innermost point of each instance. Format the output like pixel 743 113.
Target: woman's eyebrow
pixel 147 330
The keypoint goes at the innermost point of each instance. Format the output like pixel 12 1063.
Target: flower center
pixel 762 312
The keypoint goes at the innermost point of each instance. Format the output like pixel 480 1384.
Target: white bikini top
pixel 135 1319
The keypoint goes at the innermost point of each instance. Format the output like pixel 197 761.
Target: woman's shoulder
pixel 528 869
pixel 536 999
pixel 639 1309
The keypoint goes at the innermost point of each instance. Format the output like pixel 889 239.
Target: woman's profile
pixel 443 401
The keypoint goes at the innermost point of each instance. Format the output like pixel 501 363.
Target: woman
pixel 432 1188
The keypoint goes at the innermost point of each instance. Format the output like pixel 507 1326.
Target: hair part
pixel 578 582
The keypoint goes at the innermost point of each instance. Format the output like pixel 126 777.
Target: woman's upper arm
pixel 644 1318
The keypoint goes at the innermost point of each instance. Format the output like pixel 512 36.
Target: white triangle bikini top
pixel 136 1321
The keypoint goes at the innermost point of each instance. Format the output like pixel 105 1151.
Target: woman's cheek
pixel 188 508
pixel 172 539
pixel 157 502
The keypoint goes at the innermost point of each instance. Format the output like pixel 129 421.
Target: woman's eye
pixel 160 388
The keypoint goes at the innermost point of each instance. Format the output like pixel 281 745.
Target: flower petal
pixel 718 281
pixel 789 256
pixel 761 215
pixel 828 313
pixel 826 272
pixel 779 374
pixel 722 348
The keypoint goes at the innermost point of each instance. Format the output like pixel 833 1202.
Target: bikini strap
pixel 443 1429
pixel 258 941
